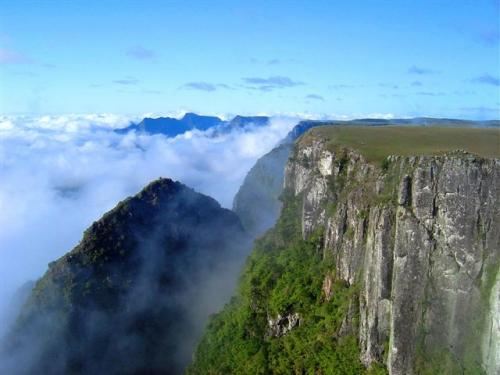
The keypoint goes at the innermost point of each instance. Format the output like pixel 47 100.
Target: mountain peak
pixel 191 115
pixel 241 121
pixel 172 127
pixel 136 278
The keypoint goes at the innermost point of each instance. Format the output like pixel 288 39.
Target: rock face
pixel 283 324
pixel 257 202
pixel 420 237
pixel 134 295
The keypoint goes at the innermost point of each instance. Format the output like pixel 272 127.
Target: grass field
pixel 376 143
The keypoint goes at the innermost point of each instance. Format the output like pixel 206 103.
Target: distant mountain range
pixel 172 127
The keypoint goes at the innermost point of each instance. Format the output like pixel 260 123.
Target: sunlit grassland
pixel 375 143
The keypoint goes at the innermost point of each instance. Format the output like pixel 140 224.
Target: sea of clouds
pixel 58 174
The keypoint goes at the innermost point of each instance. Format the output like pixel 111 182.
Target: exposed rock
pixel 405 191
pixel 327 287
pixel 257 202
pixel 281 325
pixel 491 344
pixel 421 239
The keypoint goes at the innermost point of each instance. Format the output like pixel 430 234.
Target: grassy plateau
pixel 375 143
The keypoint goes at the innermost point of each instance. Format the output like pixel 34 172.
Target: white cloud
pixel 60 173
pixel 68 123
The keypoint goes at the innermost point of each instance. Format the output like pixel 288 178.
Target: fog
pixel 58 174
pixel 175 272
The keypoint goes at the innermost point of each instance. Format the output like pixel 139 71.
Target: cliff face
pixel 420 237
pixel 257 202
pixel 373 267
pixel 135 293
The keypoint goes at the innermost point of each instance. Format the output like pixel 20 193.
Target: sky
pixel 305 58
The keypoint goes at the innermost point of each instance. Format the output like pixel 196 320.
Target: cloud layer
pixel 128 80
pixel 315 97
pixel 204 86
pixel 421 71
pixel 59 174
pixel 487 79
pixel 271 83
pixel 141 53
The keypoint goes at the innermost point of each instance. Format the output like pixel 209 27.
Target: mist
pixel 172 259
pixel 58 174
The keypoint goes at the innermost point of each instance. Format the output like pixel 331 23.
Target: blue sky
pixel 324 58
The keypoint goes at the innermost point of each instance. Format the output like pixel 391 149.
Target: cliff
pixel 134 294
pixel 421 239
pixel 257 201
pixel 377 263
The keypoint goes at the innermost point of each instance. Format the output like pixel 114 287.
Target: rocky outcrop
pixel 420 236
pixel 134 295
pixel 257 201
pixel 281 325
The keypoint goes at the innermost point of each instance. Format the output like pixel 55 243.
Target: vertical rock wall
pixel 421 237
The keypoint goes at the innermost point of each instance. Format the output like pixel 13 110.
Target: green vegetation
pixel 376 143
pixel 385 164
pixel 433 359
pixel 442 361
pixel 284 275
pixel 120 282
pixel 331 208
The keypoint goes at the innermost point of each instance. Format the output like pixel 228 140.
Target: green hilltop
pixel 375 143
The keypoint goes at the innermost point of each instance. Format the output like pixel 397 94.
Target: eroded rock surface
pixel 421 238
pixel 281 325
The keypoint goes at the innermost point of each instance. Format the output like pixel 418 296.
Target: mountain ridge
pixel 172 127
pixel 134 294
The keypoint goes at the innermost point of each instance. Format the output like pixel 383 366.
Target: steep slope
pixel 134 294
pixel 200 122
pixel 241 123
pixel 375 265
pixel 257 202
pixel 262 184
pixel 244 121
